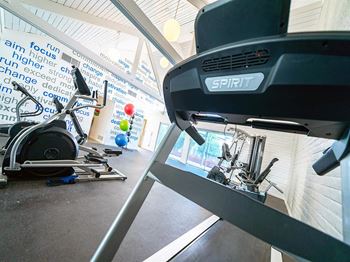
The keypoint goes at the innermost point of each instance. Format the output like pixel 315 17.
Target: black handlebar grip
pixel 326 163
pixel 192 132
pixel 20 88
pixel 105 92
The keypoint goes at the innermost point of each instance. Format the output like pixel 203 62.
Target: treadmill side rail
pixel 273 227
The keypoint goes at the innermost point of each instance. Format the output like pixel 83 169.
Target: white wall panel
pixel 314 199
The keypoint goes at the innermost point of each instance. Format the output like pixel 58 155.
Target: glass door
pixel 161 133
pixel 213 149
pixel 178 147
pixel 196 152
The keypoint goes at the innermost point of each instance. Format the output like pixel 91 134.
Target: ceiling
pixel 301 19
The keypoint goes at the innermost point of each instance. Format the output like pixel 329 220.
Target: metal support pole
pixel 70 105
pixel 345 182
pixel 138 18
pixel 137 58
pixel 120 226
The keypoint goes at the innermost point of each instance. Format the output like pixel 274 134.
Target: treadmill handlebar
pixel 333 155
pixel 327 162
pixel 192 132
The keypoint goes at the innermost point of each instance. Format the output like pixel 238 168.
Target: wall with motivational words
pixel 43 66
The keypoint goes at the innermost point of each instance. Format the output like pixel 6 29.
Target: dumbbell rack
pixel 281 231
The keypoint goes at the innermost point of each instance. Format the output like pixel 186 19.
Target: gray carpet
pixel 66 223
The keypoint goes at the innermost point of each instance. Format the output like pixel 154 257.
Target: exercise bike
pixel 11 130
pixel 47 149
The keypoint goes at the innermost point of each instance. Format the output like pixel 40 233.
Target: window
pixel 161 133
pixel 213 150
pixel 178 147
pixel 197 152
pixel 204 156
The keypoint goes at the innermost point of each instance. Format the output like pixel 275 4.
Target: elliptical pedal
pixel 111 152
pixel 95 158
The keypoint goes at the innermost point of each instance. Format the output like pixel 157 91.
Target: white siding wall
pixel 314 199
pixel 310 198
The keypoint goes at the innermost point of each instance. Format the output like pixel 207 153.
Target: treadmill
pixel 249 71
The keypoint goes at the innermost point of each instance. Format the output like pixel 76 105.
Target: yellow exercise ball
pixel 171 30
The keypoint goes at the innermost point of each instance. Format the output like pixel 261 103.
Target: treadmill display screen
pixel 234 83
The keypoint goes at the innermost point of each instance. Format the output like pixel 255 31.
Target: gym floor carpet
pixel 66 223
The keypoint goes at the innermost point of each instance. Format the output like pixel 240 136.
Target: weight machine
pixel 247 172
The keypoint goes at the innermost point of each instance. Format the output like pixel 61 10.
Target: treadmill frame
pixel 282 231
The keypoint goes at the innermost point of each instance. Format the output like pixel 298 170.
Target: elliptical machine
pixel 11 130
pixel 47 149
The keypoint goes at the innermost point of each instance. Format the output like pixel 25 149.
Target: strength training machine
pixel 243 159
pixel 249 71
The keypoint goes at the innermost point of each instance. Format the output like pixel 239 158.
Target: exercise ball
pixel 129 109
pixel 124 125
pixel 121 140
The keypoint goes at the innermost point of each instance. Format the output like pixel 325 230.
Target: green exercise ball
pixel 124 125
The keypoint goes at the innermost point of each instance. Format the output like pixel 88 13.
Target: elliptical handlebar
pixel 27 96
pixel 81 135
pixel 82 92
pixel 18 87
pixel 97 106
pixel 105 82
pixel 81 86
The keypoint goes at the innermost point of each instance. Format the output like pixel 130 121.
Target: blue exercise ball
pixel 121 140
